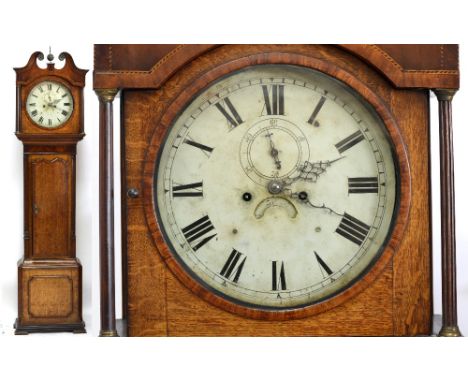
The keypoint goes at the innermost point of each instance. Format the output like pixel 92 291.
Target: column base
pixel 108 333
pixel 450 331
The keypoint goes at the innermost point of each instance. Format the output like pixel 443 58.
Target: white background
pixel 28 26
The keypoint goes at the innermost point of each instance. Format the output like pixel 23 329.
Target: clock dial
pixel 49 104
pixel 276 187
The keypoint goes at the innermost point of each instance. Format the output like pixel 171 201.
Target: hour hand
pixel 310 171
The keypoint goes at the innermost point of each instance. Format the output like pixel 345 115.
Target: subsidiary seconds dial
pixel 49 104
pixel 276 187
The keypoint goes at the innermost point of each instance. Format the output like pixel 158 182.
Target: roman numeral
pixel 316 110
pixel 41 90
pixel 323 265
pixel 181 191
pixel 233 267
pixel 41 120
pixel 58 88
pixel 350 141
pixel 234 119
pixel 65 95
pixel 205 149
pixel 49 86
pixel 34 113
pixel 66 104
pixel 353 229
pixel 276 105
pixel 278 276
pixel 32 104
pixel 366 185
pixel 198 230
pixel 64 113
pixel 49 122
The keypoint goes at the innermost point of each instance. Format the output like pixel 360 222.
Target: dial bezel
pixel 53 79
pixel 217 298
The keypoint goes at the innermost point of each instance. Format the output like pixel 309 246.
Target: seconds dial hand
pixel 273 151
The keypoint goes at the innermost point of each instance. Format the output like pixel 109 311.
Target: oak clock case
pixel 222 215
pixel 50 124
pixel 205 142
pixel 276 187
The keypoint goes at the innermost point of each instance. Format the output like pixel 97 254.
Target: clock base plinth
pixel 77 328
pixel 49 296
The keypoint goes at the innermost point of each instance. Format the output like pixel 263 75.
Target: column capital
pixel 106 95
pixel 445 94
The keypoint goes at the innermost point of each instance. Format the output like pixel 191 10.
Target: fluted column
pixel 106 213
pixel 447 204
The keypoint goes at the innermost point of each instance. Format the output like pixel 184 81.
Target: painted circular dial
pixel 49 104
pixel 276 187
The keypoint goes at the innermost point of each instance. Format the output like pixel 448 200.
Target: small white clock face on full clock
pixel 276 187
pixel 49 104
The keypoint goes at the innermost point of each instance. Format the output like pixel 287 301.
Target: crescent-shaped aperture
pixel 275 202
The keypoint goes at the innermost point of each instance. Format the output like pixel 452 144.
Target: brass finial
pixel 50 56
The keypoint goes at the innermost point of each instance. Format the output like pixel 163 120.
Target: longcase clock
pixel 49 123
pixel 276 189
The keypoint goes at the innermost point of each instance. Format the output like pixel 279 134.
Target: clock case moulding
pixel 396 298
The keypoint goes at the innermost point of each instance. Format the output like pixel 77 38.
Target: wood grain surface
pixel 396 300
pixel 150 66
